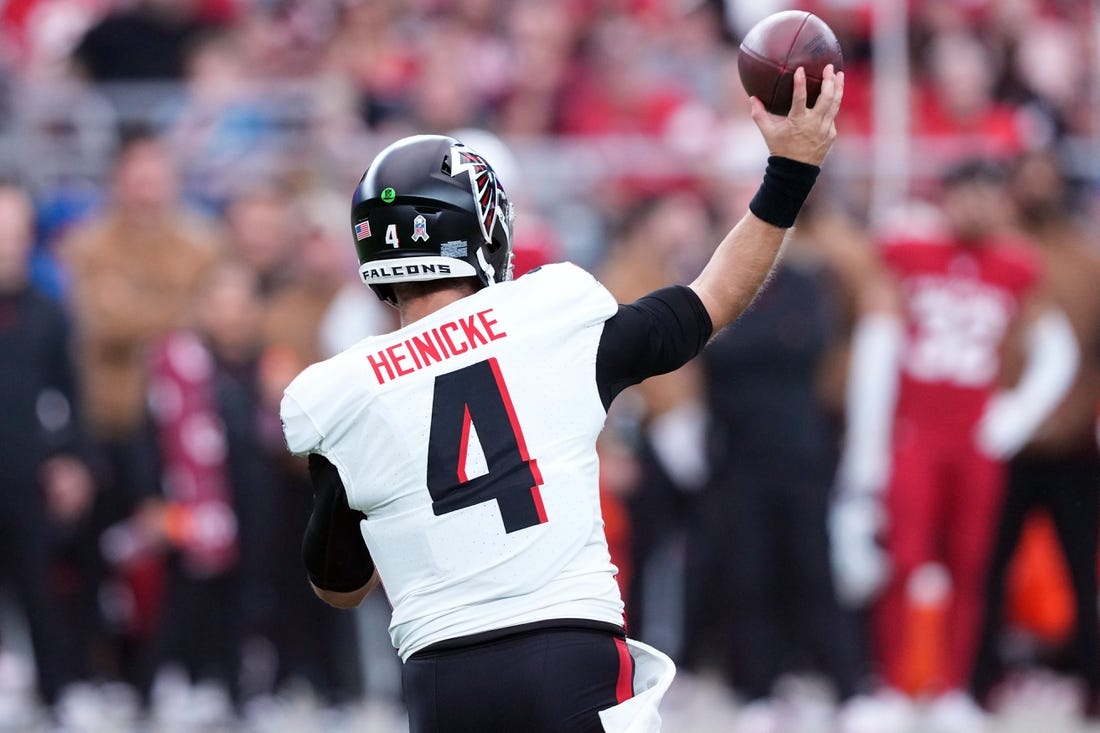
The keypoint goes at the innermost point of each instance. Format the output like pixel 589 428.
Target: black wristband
pixel 786 185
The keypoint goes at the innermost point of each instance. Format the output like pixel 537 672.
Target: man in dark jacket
pixel 44 485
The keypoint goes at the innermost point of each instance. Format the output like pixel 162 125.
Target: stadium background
pixel 621 130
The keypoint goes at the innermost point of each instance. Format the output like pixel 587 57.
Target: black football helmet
pixel 428 207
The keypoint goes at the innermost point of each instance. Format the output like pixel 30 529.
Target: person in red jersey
pixel 931 424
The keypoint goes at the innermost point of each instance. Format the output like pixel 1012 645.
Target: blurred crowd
pixel 885 475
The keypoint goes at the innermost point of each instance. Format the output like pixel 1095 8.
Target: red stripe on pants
pixel 624 688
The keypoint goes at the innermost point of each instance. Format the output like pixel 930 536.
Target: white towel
pixel 653 673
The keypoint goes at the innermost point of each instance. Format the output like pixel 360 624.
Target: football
pixel 778 45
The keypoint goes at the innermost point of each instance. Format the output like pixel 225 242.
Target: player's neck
pixel 421 306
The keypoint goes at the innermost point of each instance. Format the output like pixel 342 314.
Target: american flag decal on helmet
pixel 489 196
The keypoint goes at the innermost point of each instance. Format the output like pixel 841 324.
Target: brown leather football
pixel 778 45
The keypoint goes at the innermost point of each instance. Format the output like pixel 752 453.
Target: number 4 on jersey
pixel 476 395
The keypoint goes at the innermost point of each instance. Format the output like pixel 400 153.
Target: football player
pixel 930 426
pixel 454 460
pixel 1059 469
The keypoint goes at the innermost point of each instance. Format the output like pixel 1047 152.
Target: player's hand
pixel 805 134
pixel 69 489
pixel 1004 428
pixel 860 565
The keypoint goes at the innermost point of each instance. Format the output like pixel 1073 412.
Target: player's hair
pixel 975 170
pixel 405 291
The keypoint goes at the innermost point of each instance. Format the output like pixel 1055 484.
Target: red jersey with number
pixel 468 440
pixel 959 302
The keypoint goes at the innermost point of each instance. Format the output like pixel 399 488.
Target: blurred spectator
pixel 845 247
pixel 218 130
pixel 285 41
pixel 145 42
pixel 956 106
pixel 445 93
pixel 134 269
pixel 1059 470
pixel 46 487
pixel 1042 69
pixel 229 509
pixel 635 112
pixel 196 376
pixel 660 243
pixel 261 232
pixel 37 38
pixel 325 308
pixel 758 546
pixel 946 305
pixel 618 94
pixel 696 49
pixel 540 64
pixel 369 49
pixel 319 311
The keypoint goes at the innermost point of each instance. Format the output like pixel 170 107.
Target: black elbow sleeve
pixel 335 555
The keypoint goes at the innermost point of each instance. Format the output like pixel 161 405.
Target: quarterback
pixel 454 460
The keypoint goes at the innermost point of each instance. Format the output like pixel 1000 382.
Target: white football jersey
pixel 468 440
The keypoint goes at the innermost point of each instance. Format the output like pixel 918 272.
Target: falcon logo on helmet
pixel 483 183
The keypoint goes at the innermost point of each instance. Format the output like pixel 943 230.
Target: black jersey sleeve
pixel 653 335
pixel 335 555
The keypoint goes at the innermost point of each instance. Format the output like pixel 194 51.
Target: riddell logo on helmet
pixel 405 271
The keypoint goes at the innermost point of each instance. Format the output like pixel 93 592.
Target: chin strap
pixel 489 270
pixel 1012 416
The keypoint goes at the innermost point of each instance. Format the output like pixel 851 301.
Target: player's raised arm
pixel 798 144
